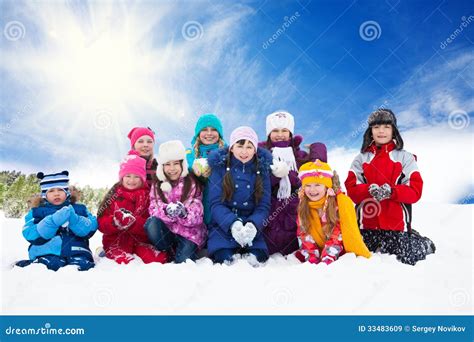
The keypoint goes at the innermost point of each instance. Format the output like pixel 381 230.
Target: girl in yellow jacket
pixel 327 224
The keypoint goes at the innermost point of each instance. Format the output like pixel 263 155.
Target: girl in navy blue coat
pixel 57 228
pixel 239 198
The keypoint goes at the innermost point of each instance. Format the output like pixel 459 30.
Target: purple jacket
pixel 191 227
pixel 280 228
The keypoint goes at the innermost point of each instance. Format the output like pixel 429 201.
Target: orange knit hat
pixel 317 172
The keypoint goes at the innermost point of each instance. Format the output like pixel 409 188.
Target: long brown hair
pixel 107 200
pixel 228 183
pixel 330 208
pixel 189 180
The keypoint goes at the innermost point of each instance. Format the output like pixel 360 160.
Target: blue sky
pixel 77 75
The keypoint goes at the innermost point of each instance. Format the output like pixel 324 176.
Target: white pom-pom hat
pixel 169 151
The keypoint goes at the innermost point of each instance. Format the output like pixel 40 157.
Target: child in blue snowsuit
pixel 57 228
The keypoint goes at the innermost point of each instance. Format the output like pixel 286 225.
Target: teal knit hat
pixel 207 120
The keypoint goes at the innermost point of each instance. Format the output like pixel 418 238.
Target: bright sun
pixel 101 72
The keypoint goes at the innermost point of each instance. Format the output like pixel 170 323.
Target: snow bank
pixel 440 285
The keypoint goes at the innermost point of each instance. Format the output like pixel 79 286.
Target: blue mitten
pixel 73 217
pixel 75 222
pixel 61 216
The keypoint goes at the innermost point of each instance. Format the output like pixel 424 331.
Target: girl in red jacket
pixel 384 181
pixel 123 213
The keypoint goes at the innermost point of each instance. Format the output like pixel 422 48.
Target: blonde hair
pixel 330 208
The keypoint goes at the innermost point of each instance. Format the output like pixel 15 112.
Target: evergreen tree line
pixel 16 190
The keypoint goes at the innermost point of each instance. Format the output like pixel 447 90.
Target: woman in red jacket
pixel 384 181
pixel 123 213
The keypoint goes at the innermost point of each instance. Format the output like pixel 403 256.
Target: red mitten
pixel 123 218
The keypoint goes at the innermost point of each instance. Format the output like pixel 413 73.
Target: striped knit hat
pixel 317 172
pixel 55 180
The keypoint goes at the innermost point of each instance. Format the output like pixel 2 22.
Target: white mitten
pixel 249 233
pixel 237 229
pixel 280 168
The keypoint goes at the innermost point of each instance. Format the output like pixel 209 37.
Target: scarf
pixel 204 150
pixel 351 237
pixel 140 199
pixel 282 151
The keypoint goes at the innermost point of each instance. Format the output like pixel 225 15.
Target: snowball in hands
pixel 123 218
pixel 249 233
pixel 177 209
pixel 237 232
pixel 279 168
pixel 182 212
pixel 200 167
pixel 172 210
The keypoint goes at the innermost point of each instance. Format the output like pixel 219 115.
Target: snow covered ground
pixel 440 285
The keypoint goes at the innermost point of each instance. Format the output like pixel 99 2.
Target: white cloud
pixel 435 89
pixel 93 73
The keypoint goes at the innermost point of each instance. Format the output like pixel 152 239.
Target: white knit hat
pixel 169 151
pixel 280 119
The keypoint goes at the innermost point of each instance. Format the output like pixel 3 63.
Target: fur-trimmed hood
pixel 36 201
pixel 218 159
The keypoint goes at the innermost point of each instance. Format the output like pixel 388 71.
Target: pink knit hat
pixel 243 132
pixel 134 164
pixel 138 132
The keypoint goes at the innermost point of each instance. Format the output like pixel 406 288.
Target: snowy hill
pixel 442 284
